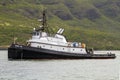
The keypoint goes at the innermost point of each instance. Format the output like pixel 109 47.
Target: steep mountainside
pixel 94 22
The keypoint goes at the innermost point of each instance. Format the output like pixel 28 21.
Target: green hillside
pixel 94 22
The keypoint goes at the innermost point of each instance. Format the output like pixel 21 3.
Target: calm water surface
pixel 84 69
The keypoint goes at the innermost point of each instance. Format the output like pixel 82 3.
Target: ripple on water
pixel 59 69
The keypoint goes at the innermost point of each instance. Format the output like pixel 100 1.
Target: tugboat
pixel 44 45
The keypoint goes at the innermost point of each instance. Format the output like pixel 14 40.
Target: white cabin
pixel 56 42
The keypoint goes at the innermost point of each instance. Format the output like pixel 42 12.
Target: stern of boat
pixel 14 52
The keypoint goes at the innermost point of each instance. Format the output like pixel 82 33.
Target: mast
pixel 44 21
pixel 44 26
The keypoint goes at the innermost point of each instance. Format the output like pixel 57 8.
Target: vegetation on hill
pixel 94 22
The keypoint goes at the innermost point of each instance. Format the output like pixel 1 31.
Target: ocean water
pixel 70 69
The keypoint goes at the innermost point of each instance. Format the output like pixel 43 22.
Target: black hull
pixel 25 52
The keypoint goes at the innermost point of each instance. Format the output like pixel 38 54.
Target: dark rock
pixel 92 14
pixel 63 15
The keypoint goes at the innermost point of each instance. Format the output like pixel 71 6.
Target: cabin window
pixel 73 49
pixel 34 33
pixel 37 33
pixel 63 48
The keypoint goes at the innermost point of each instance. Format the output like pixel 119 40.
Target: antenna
pixel 44 20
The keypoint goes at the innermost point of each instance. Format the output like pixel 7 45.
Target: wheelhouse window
pixel 36 33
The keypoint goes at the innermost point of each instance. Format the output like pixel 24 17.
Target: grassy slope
pixel 95 23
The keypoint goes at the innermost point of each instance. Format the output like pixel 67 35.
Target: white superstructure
pixel 56 42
